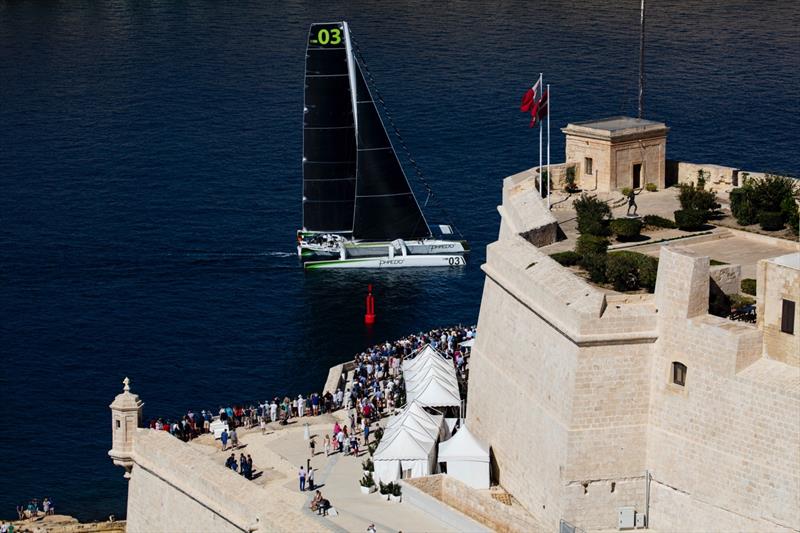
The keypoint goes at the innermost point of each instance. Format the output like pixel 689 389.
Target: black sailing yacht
pixel 358 208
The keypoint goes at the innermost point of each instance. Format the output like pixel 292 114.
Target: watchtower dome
pixel 126 415
pixel 612 153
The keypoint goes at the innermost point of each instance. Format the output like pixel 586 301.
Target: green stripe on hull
pixel 323 264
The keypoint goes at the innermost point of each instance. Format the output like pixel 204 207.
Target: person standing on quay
pixel 302 475
pixel 234 439
pixel 310 478
pixel 327 445
pixel 224 439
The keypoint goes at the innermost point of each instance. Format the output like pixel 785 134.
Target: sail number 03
pixel 332 36
pixel 455 261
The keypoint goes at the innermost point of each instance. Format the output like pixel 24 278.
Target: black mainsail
pixel 386 208
pixel 352 178
pixel 329 142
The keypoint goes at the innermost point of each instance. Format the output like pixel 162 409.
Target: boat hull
pixel 399 261
pixel 308 251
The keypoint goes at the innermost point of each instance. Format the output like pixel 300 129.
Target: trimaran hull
pixel 408 261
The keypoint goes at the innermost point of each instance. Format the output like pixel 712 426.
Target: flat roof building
pixel 616 152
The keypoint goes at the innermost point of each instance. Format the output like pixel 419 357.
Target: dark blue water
pixel 150 186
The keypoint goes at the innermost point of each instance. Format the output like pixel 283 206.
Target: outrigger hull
pixel 408 261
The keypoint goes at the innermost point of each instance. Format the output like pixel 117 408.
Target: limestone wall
pixel 478 505
pixel 572 388
pixel 174 487
pixel 776 282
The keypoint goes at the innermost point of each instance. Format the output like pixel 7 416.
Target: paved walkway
pixel 279 454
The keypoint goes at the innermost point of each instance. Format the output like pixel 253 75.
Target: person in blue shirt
pixel 224 439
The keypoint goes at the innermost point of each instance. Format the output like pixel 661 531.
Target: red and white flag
pixel 535 103
pixel 540 112
pixel 530 98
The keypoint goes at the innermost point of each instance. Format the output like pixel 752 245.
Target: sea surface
pixel 150 186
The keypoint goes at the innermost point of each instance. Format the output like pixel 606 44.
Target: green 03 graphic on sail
pixel 357 201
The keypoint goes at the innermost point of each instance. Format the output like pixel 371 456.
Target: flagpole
pixel 540 140
pixel 548 146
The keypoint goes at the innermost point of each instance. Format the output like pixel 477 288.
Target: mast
pixel 641 63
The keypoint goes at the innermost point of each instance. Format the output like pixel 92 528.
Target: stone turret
pixel 126 416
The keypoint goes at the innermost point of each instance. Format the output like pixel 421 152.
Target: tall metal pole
pixel 540 137
pixel 548 146
pixel 641 64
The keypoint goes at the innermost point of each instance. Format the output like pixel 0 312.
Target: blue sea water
pixel 150 186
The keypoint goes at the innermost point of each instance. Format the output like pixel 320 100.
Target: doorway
pixel 637 175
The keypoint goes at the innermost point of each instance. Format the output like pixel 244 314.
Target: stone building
pixel 608 410
pixel 616 152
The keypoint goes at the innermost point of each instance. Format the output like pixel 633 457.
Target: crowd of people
pixel 32 510
pixel 244 466
pixel 377 386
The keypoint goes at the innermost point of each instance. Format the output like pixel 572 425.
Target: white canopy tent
pixel 415 417
pixel 423 375
pixel 425 355
pixel 435 392
pixel 467 458
pixel 404 453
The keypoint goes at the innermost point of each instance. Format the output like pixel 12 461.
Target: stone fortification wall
pixel 776 282
pixel 478 505
pixel 718 177
pixel 733 433
pixel 174 487
pixel 572 388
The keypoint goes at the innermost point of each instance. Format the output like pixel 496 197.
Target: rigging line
pixel 417 169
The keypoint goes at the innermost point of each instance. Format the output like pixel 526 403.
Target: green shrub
pixel 567 258
pixel 690 219
pixel 658 222
pixel 790 213
pixel 595 266
pixel 622 271
pixel 397 490
pixel 626 229
pixel 742 207
pixel 626 191
pixel 367 481
pixel 697 198
pixel 770 191
pixel 749 286
pixel 770 220
pixel 593 215
pixel 739 300
pixel 629 271
pixel 591 244
pixel 648 271
pixel 651 187
pixel 702 176
pixel 570 184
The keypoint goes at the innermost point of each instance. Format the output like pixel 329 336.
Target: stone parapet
pixel 477 505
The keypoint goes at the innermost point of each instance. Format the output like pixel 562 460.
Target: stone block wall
pixel 478 505
pixel 572 388
pixel 174 487
pixel 774 283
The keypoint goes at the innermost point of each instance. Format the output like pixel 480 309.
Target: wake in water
pixel 233 255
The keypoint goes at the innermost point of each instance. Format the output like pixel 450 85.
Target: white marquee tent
pixel 431 379
pixel 434 392
pixel 404 453
pixel 415 417
pixel 467 458
pixel 424 357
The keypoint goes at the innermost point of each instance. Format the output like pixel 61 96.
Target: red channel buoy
pixel 369 316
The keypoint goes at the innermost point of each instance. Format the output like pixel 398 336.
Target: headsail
pixel 329 141
pixel 385 208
